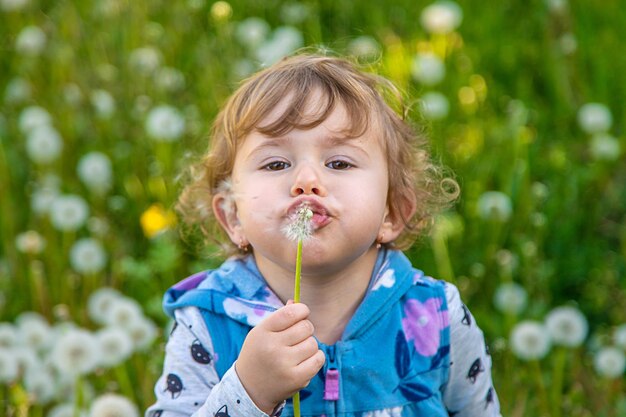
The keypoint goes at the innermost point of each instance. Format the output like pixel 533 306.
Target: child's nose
pixel 307 181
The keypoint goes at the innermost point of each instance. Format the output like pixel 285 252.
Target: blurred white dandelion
pixel 124 312
pixel 435 106
pixel 100 302
pixel 68 212
pixel 609 362
pixel 87 256
pixel 40 383
pixel 64 410
pixel 441 17
pixel 31 41
pixel 113 405
pixel 243 68
pixel 557 6
pixel 9 370
pixel 75 352
pixel 30 242
pixel 364 47
pixel 8 335
pixel 530 340
pixel 33 116
pixel 95 171
pixel 145 60
pixel 34 331
pixel 18 90
pixel 540 191
pixel 165 123
pixel 42 198
pixel 72 94
pixel 284 40
pixel 44 144
pixel 619 336
pixel 169 79
pixel 115 344
pixel 103 102
pixel 495 205
pixel 27 359
pixel 294 13
pixel 13 5
pixel 98 226
pixel 252 32
pixel 595 118
pixel 427 68
pixel 511 298
pixel 567 326
pixel 605 147
pixel 142 332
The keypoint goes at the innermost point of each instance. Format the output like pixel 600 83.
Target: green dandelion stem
pixel 296 289
pixel 296 404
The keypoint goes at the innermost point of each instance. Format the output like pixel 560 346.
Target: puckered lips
pixel 321 216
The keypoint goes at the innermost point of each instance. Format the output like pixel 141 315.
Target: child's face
pixel 344 181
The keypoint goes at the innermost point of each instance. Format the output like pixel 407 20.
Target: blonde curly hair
pixel 370 101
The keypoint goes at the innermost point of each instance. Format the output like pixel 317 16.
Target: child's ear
pixel 225 211
pixel 394 221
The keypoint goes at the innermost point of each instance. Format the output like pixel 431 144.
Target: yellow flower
pixel 156 219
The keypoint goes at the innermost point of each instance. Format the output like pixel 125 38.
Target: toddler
pixel 372 336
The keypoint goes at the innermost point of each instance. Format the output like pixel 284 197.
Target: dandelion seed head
pixel 427 68
pixel 142 333
pixel 95 171
pixel 435 106
pixel 441 17
pixel 87 256
pixel 100 302
pixel 40 383
pixel 610 362
pixel 64 410
pixel 43 144
pixel 34 331
pixel 510 297
pixel 124 313
pixel 530 340
pixel 30 242
pixel 75 352
pixel 300 226
pixel 113 405
pixel 595 118
pixel 604 147
pixel 8 335
pixel 165 124
pixel 619 336
pixel 68 212
pixel 9 369
pixel 252 31
pixel 31 41
pixel 115 344
pixel 567 326
pixel 495 205
pixel 32 117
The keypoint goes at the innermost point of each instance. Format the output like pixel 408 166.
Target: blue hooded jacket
pixel 392 356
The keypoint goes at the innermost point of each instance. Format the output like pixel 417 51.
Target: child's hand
pixel 279 357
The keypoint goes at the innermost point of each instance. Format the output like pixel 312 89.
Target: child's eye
pixel 276 166
pixel 339 164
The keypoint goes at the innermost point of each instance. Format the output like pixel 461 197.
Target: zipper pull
pixel 331 386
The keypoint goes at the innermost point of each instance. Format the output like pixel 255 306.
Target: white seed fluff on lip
pixel 300 226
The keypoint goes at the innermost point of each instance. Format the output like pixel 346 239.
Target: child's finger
pixel 285 317
pixel 300 331
pixel 311 366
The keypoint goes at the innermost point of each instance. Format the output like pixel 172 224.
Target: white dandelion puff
pixel 31 41
pixel 567 326
pixel 33 116
pixel 294 13
pixel 9 369
pixel 441 17
pixel 619 336
pixel 34 331
pixel 113 405
pixel 100 302
pixel 68 212
pixel 18 90
pixel 13 5
pixel 72 94
pixel 610 362
pixel 435 106
pixel 64 410
pixel 511 298
pixel 30 242
pixel 75 352
pixel 300 226
pixel 124 313
pixel 145 60
pixel 495 205
pixel 115 344
pixel 87 256
pixel 364 47
pixel 530 340
pixel 165 124
pixel 8 335
pixel 40 384
pixel 605 147
pixel 428 69
pixel 170 79
pixel 252 31
pixel 41 199
pixel 142 333
pixel 284 40
pixel 44 144
pixel 103 102
pixel 95 171
pixel 595 118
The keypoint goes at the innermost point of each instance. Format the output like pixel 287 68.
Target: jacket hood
pixel 238 290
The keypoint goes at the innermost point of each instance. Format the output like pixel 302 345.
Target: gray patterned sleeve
pixel 190 385
pixel 469 391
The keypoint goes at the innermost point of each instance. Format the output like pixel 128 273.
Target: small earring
pixel 379 241
pixel 242 247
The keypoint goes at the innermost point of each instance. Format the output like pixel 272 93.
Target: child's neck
pixel 332 298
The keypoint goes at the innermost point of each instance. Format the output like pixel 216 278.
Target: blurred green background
pixel 105 103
